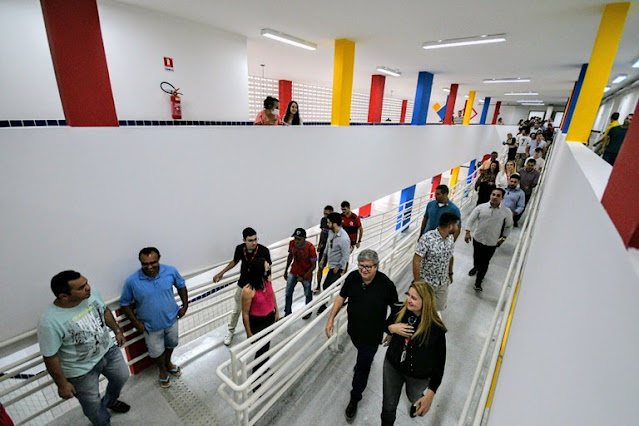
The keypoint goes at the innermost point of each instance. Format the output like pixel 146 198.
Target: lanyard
pixel 246 254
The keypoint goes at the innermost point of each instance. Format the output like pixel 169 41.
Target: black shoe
pixel 119 407
pixel 321 309
pixel 516 225
pixel 307 316
pixel 472 272
pixel 351 410
pixel 478 287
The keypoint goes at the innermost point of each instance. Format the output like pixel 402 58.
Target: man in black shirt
pixel 244 253
pixel 370 294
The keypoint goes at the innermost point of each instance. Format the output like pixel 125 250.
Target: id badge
pixel 403 357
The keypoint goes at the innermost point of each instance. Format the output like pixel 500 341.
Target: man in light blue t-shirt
pixel 435 208
pixel 77 347
pixel 151 290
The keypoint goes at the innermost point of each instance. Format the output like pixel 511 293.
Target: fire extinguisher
pixel 176 101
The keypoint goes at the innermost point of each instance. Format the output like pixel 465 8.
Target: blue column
pixel 408 194
pixel 484 112
pixel 573 100
pixel 422 98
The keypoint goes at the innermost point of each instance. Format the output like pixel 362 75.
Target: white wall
pixel 572 351
pixel 90 198
pixel 30 90
pixel 210 65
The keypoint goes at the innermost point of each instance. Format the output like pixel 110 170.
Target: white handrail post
pixel 245 412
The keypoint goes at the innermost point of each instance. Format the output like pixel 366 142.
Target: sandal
pixel 177 371
pixel 165 383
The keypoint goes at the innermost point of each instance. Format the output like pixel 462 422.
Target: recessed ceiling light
pixel 521 94
pixel 606 89
pixel 389 71
pixel 636 64
pixel 288 39
pixel 506 80
pixel 619 78
pixel 466 41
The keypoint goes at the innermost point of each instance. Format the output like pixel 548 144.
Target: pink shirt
pixel 263 302
pixel 263 119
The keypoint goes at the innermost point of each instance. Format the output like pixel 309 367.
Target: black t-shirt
pixel 368 306
pixel 242 255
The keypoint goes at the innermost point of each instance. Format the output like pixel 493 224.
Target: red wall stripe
pixel 621 197
pixel 79 62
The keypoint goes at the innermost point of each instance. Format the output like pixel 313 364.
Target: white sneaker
pixel 228 338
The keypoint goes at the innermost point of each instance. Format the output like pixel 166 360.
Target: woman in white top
pixel 504 175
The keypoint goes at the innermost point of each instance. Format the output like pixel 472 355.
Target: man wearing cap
pixel 304 257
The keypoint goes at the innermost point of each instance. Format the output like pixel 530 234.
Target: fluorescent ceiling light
pixel 446 90
pixel 521 94
pixel 466 41
pixel 619 78
pixel 506 80
pixel 288 39
pixel 529 100
pixel 636 64
pixel 531 103
pixel 389 71
pixel 606 89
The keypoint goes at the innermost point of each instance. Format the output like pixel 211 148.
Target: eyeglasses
pixel 365 267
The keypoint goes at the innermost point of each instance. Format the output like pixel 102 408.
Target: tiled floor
pixel 321 397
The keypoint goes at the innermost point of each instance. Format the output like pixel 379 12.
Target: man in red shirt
pixel 304 257
pixel 352 225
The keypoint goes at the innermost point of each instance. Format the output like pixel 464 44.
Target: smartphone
pixel 413 410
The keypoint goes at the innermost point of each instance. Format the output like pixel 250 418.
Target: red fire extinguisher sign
pixel 168 63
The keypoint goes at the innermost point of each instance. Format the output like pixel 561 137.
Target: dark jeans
pixel 258 324
pixel 365 355
pixel 87 387
pixel 610 157
pixel 393 382
pixel 331 277
pixel 481 258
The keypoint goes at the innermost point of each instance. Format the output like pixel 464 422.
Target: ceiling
pixel 547 41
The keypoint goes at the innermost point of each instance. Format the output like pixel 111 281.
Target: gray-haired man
pixel 370 294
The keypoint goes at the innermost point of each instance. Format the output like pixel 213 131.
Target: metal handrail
pixel 506 298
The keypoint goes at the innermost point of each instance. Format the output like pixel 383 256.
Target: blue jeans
pixel 87 388
pixel 291 282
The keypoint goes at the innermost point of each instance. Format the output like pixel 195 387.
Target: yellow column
pixel 342 82
pixel 469 108
pixel 599 67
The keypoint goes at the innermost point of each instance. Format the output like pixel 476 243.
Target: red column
pixel 285 95
pixel 450 105
pixel 437 180
pixel 621 198
pixel 496 115
pixel 402 117
pixel 376 99
pixel 79 62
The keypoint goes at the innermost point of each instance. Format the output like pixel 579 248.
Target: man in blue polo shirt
pixel 435 208
pixel 156 311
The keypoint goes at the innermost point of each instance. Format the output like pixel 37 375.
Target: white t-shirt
pixel 523 143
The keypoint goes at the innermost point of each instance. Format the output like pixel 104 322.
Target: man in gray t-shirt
pixel 77 347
